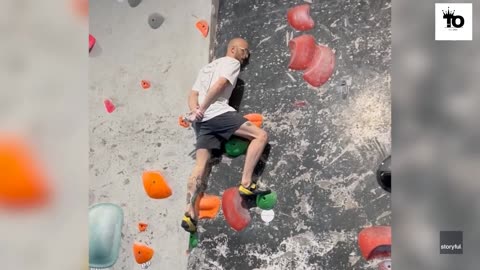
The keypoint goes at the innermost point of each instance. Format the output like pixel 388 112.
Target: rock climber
pixel 215 121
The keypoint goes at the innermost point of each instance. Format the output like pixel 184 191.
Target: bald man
pixel 215 121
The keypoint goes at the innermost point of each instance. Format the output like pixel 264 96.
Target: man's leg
pixel 259 139
pixel 195 186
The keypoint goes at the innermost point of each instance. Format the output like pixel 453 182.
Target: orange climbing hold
pixel 142 253
pixel 182 122
pixel 142 226
pixel 202 26
pixel 155 185
pixel 23 184
pixel 255 118
pixel 80 7
pixel 209 206
pixel 145 84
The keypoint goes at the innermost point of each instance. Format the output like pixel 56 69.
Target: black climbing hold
pixel 155 20
pixel 384 174
pixel 134 3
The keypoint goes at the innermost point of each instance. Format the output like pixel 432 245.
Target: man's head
pixel 238 49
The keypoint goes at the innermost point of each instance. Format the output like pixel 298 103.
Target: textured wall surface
pixel 324 151
pixel 143 133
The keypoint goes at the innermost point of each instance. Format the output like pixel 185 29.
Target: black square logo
pixel 451 242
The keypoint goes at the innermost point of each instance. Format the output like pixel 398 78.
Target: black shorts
pixel 211 133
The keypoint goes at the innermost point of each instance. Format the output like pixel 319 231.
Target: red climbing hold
pixel 145 84
pixel 142 226
pixel 375 242
pixel 109 105
pixel 300 103
pixel 91 42
pixel 299 18
pixel 302 51
pixel 321 67
pixel 235 212
pixel 202 26
pixel 182 122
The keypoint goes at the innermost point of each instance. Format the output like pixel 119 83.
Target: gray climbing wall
pixel 143 132
pixel 325 142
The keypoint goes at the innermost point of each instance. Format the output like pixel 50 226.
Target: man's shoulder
pixel 227 60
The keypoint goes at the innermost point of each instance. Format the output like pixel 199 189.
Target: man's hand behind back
pixel 196 115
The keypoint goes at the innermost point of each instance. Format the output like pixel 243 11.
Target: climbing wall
pixel 144 60
pixel 326 142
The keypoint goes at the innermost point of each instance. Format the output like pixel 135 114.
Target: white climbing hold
pixel 267 215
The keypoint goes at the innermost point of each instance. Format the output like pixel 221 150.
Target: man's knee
pixel 262 136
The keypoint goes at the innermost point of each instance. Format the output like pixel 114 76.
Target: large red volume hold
pixel 236 215
pixel 375 242
pixel 299 18
pixel 302 51
pixel 321 67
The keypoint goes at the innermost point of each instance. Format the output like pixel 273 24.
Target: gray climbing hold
pixel 155 20
pixel 343 89
pixel 134 3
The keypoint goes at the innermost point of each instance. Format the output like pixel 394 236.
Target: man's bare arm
pixel 193 100
pixel 213 93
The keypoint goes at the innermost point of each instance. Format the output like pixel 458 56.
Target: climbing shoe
pixel 252 190
pixel 189 224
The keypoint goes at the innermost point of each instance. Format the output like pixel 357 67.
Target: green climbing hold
pixel 236 146
pixel 193 241
pixel 267 201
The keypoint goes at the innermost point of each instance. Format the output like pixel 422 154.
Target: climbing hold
pixel 300 103
pixel 255 118
pixel 343 89
pixel 105 234
pixel 267 201
pixel 91 42
pixel 155 20
pixel 142 226
pixel 145 84
pixel 236 146
pixel 109 105
pixel 375 242
pixel 155 185
pixel 143 254
pixel 193 240
pixel 302 51
pixel 182 122
pixel 385 265
pixel 321 67
pixel 80 7
pixel 299 18
pixel 267 215
pixel 23 184
pixel 384 174
pixel 234 209
pixel 209 206
pixel 134 3
pixel 202 26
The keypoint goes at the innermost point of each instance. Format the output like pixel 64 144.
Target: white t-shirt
pixel 226 67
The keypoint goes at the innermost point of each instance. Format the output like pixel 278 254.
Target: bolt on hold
pixel 343 89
